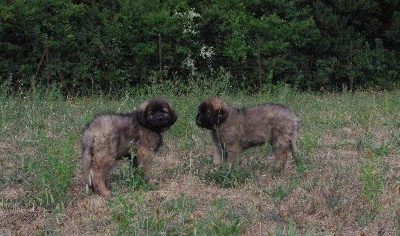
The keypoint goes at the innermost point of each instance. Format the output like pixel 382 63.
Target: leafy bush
pixel 90 46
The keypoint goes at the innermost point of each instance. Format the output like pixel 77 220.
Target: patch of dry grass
pixel 348 182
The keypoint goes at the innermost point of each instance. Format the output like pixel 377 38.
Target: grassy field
pixel 347 182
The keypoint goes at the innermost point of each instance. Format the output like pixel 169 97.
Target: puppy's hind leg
pixel 281 147
pixel 101 168
pixel 293 138
pixel 280 160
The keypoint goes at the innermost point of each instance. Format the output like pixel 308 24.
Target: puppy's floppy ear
pixel 141 113
pixel 173 115
pixel 219 115
pixel 219 111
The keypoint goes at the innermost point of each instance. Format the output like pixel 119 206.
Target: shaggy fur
pixel 234 130
pixel 112 136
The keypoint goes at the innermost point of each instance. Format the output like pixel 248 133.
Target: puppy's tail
pixel 86 159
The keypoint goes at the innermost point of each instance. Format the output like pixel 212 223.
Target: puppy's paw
pixel 153 183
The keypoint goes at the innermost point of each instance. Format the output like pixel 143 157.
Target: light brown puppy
pixel 234 130
pixel 112 136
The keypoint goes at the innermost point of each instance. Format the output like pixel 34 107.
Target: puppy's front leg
pixel 218 150
pixel 145 161
pixel 217 158
pixel 233 152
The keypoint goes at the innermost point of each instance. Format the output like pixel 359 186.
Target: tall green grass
pixel 346 147
pixel 174 217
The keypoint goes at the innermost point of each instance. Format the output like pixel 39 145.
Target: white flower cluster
pixel 189 62
pixel 188 25
pixel 206 52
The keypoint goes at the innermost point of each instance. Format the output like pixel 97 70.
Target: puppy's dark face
pixel 212 112
pixel 156 114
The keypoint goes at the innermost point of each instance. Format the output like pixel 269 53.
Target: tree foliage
pixel 112 45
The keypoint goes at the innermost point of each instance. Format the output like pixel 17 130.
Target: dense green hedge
pixel 110 45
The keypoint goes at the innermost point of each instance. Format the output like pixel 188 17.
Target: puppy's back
pixel 105 124
pixel 259 120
